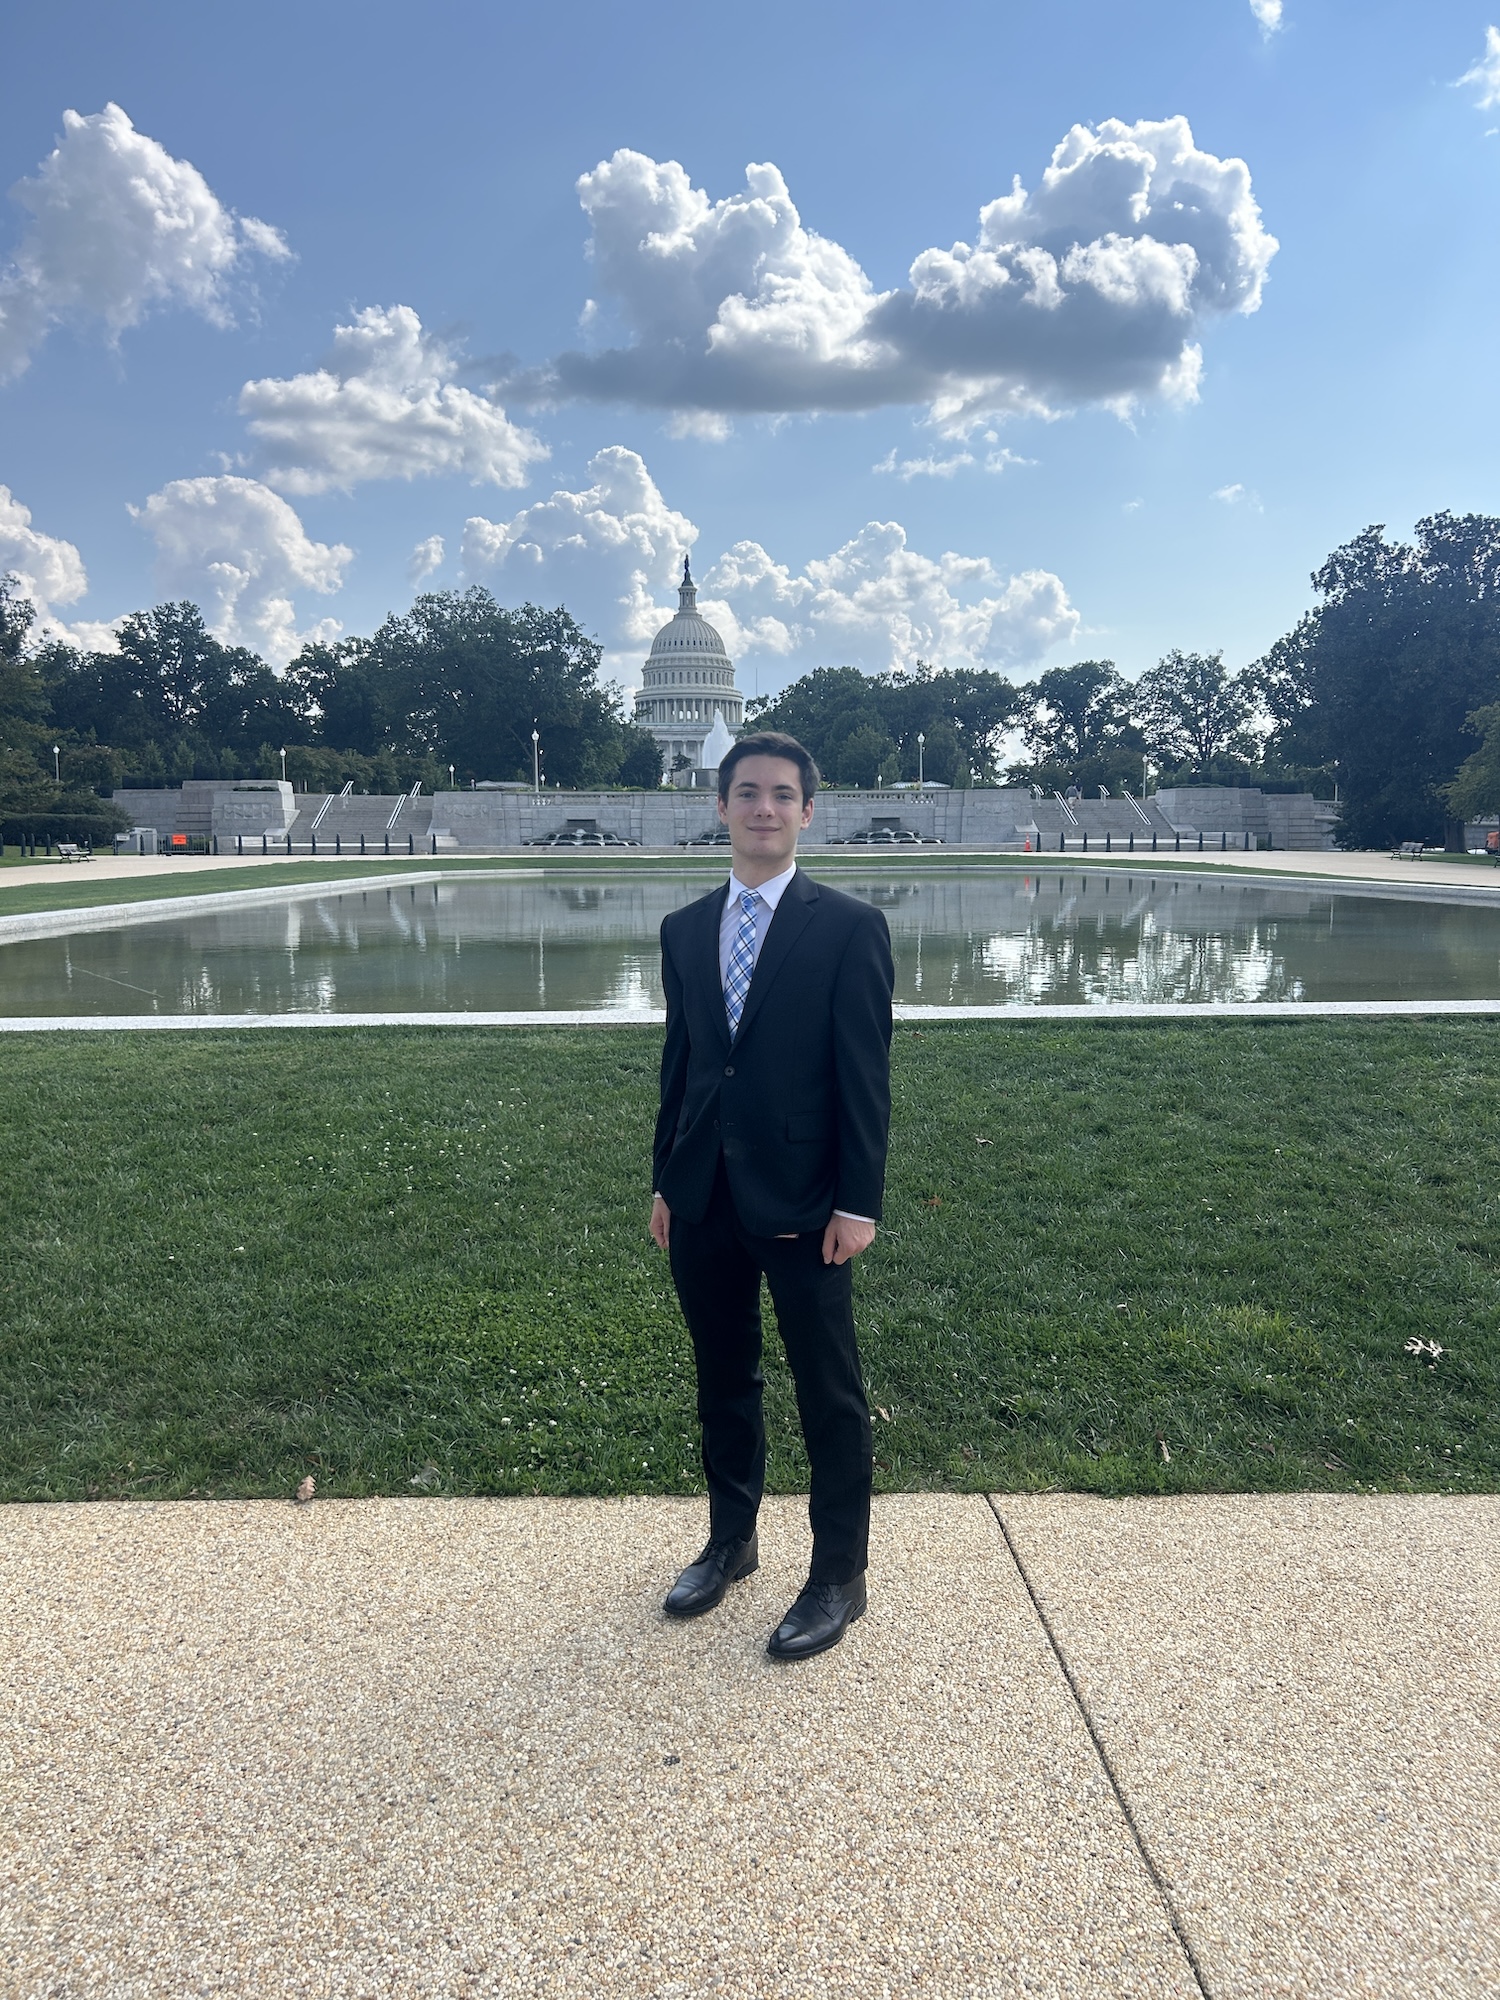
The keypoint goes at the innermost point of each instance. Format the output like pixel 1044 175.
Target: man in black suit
pixel 770 1159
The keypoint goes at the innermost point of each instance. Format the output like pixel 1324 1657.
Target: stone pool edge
pixel 158 909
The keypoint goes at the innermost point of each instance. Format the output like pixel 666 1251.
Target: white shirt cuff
pixel 856 1218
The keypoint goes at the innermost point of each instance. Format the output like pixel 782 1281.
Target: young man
pixel 770 1159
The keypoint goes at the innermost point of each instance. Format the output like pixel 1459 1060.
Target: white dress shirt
pixel 770 894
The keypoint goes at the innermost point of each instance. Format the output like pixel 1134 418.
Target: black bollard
pixel 338 843
pixel 361 843
pixel 1107 847
pixel 388 841
pixel 411 843
pixel 1177 843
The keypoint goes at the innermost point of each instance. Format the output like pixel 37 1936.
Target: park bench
pixel 69 850
pixel 1409 850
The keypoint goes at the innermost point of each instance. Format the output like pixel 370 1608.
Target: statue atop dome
pixel 687 691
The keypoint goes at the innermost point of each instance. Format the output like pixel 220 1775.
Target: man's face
pixel 764 813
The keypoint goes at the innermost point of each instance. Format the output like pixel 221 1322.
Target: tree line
pixel 457 681
pixel 1388 688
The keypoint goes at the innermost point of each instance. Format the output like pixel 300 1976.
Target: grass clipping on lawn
pixel 1117 1258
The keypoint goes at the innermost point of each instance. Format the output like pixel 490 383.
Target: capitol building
pixel 688 683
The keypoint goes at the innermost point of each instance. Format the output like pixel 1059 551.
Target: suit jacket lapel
pixel 793 915
pixel 706 954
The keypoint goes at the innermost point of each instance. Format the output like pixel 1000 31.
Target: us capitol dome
pixel 688 683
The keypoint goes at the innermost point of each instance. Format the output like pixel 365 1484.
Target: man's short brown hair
pixel 772 743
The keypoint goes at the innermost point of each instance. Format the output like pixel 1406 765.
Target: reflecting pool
pixel 1057 935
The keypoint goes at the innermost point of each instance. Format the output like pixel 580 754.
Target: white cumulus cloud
pixel 49 570
pixel 240 551
pixel 1094 286
pixel 1268 13
pixel 1484 74
pixel 386 406
pixel 612 550
pixel 602 549
pixel 116 228
pixel 877 602
pixel 425 558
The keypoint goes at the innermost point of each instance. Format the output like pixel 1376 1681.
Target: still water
pixel 964 937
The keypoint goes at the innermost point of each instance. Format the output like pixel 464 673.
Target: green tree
pixel 971 707
pixel 204 706
pixel 1079 729
pixel 1475 792
pixel 24 708
pixel 963 712
pixel 1377 682
pixel 458 679
pixel 1194 714
pixel 640 758
pixel 863 757
pixel 1076 711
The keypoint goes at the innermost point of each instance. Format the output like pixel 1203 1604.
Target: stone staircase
pixel 338 821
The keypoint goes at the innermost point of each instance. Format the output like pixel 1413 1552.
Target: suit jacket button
pixel 729 1069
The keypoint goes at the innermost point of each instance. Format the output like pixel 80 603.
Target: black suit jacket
pixel 800 1104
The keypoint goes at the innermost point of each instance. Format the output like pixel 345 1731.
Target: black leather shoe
pixel 818 1620
pixel 703 1584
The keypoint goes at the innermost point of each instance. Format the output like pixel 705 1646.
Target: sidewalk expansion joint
pixel 1147 1862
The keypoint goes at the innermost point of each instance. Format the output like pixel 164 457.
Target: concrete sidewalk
pixel 430 1747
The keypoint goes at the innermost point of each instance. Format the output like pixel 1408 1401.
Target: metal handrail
pixel 1068 813
pixel 318 815
pixel 1142 816
pixel 404 800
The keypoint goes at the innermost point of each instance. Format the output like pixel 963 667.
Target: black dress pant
pixel 717 1266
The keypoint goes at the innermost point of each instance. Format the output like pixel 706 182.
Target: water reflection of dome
pixel 688 682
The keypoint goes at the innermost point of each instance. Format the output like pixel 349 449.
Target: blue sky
pixel 1252 308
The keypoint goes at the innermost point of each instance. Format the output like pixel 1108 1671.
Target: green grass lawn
pixel 1120 1258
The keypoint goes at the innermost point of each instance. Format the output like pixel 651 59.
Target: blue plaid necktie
pixel 741 962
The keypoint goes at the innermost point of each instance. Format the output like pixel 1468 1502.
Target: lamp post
pixel 536 762
pixel 56 765
pixel 450 777
pixel 921 749
pixel 283 767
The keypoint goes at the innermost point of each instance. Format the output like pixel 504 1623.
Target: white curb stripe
pixel 619 1017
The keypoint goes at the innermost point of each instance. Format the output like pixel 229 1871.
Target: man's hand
pixel 661 1223
pixel 845 1238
